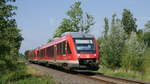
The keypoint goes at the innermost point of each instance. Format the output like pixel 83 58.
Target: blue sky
pixel 38 19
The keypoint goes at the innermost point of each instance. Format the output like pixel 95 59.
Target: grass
pixel 27 76
pixel 34 80
pixel 131 74
pixel 122 73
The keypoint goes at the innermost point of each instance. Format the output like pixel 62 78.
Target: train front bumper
pixel 77 66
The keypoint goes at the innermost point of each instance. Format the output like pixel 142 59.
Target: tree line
pixel 10 41
pixel 123 45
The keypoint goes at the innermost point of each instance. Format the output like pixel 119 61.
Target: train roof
pixel 78 35
pixel 63 37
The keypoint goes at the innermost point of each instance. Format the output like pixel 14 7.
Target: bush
pixel 112 45
pixel 133 54
pixel 13 75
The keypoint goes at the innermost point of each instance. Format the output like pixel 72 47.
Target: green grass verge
pixel 26 75
pixel 34 80
pixel 122 73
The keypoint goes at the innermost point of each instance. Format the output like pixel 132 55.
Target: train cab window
pixel 85 45
pixel 68 48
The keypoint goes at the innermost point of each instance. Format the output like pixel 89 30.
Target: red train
pixel 73 50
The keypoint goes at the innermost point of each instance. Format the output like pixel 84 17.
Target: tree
pixel 112 45
pixel 10 37
pixel 146 36
pixel 106 27
pixel 128 22
pixel 65 26
pixel 133 54
pixel 49 40
pixel 147 25
pixel 77 21
pixel 26 53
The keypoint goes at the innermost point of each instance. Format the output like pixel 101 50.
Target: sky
pixel 38 19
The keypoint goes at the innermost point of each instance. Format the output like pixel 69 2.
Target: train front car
pixel 86 51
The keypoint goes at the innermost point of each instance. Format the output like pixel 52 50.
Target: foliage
pixel 18 73
pixel 133 54
pixel 147 25
pixel 140 34
pixel 78 21
pixel 122 47
pixel 120 73
pixel 10 38
pixel 112 45
pixel 128 21
pixel 146 36
pixel 106 27
pixel 49 40
pixel 146 61
pixel 64 27
pixel 35 80
pixel 26 75
pixel 26 53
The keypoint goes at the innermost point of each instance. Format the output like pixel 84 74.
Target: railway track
pixel 97 77
pixel 113 80
pixel 121 80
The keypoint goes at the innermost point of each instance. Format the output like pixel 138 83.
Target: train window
pixel 50 51
pixel 42 53
pixel 63 45
pixel 38 53
pixel 47 51
pixel 34 54
pixel 84 45
pixel 59 49
pixel 68 48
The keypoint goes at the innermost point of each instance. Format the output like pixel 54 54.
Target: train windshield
pixel 84 45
